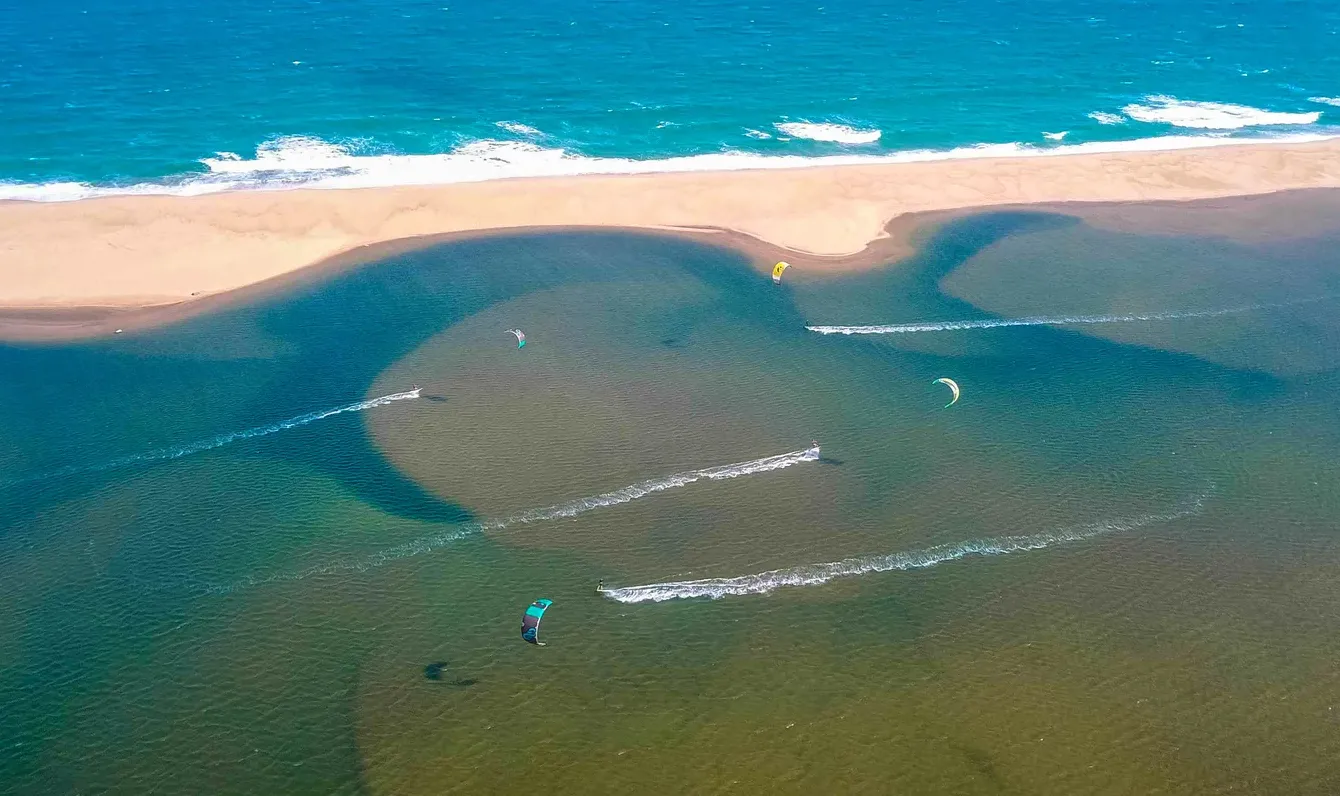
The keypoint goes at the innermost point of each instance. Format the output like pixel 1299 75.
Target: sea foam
pixel 1325 100
pixel 835 133
pixel 518 128
pixel 305 162
pixel 1103 117
pixel 816 574
pixel 1164 109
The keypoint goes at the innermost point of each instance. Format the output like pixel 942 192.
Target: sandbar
pixel 77 269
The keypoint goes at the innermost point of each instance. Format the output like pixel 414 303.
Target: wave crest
pixel 518 128
pixel 827 131
pixel 1163 109
pixel 1107 118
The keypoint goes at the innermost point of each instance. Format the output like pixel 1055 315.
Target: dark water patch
pixel 983 763
pixel 322 345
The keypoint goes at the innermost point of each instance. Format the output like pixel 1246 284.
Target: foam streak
pixel 643 488
pixel 816 574
pixel 571 508
pixel 164 454
pixel 1049 320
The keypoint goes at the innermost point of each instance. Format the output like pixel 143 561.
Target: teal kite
pixel 530 621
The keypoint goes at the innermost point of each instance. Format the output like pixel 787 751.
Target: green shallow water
pixel 333 606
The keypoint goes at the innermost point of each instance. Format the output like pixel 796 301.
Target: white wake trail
pixel 571 508
pixel 1051 320
pixel 643 488
pixel 163 454
pixel 815 574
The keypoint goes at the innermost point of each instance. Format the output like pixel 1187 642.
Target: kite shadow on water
pixel 433 671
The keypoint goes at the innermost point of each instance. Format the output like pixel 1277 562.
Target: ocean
pixel 284 547
pixel 200 96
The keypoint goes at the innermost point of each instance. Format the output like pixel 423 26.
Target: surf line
pixel 1051 320
pixel 816 574
pixel 164 454
pixel 571 508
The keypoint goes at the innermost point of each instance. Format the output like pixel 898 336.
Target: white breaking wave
pixel 311 163
pixel 164 454
pixel 293 153
pixel 518 128
pixel 1325 100
pixel 836 133
pixel 1053 320
pixel 571 508
pixel 815 574
pixel 1055 136
pixel 1107 118
pixel 1210 115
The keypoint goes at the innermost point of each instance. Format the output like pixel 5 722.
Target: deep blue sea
pixel 202 95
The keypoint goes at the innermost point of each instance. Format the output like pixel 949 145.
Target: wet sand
pixel 87 268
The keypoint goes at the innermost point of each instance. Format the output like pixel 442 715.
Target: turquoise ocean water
pixel 197 96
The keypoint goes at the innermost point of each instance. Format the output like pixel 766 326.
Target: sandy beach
pixel 81 268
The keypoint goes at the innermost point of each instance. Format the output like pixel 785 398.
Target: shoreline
pixel 85 268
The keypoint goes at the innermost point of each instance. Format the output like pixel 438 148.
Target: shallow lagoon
pixel 334 606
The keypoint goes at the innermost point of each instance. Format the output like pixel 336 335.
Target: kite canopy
pixel 777 271
pixel 530 621
pixel 520 337
pixel 953 387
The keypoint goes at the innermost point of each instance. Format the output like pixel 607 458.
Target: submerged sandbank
pixel 82 268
